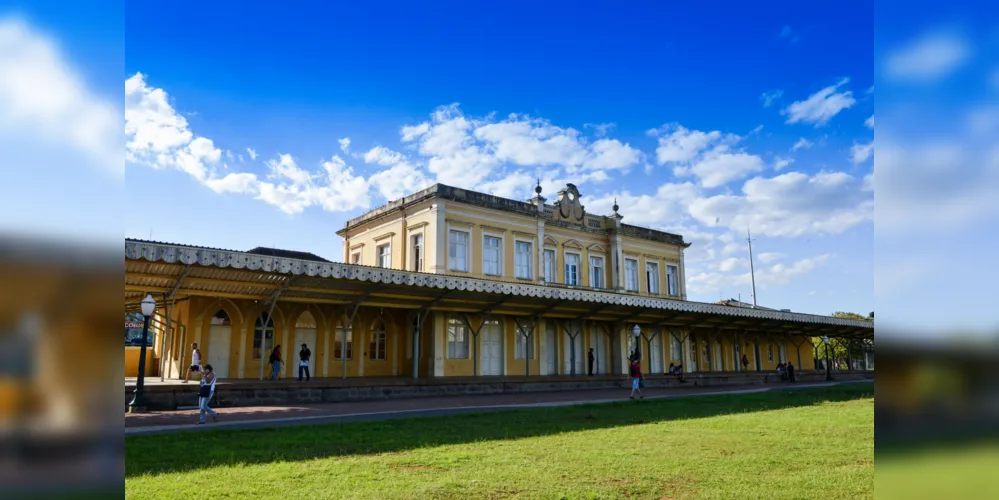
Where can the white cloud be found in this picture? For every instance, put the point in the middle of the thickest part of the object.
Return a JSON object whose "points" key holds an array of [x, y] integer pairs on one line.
{"points": [[382, 156], [158, 136], [718, 169], [802, 144], [791, 204], [666, 207], [600, 129], [42, 97], [869, 123], [344, 144], [707, 155], [252, 153], [401, 179], [447, 142], [860, 153], [780, 163], [770, 257], [710, 282], [732, 263], [239, 183], [769, 98], [929, 58], [821, 106]]}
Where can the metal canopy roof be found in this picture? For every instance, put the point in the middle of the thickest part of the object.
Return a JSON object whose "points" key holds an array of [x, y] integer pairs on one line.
{"points": [[162, 268]]}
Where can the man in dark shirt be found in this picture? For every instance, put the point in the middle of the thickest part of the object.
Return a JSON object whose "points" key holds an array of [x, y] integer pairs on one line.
{"points": [[303, 363], [790, 372], [590, 359]]}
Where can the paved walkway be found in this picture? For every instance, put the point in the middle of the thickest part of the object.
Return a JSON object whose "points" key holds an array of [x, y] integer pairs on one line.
{"points": [[311, 414]]}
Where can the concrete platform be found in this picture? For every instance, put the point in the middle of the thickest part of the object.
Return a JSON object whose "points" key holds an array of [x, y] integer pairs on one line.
{"points": [[171, 395]]}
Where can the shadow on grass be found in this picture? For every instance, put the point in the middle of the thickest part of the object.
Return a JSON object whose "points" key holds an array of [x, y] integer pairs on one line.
{"points": [[166, 453]]}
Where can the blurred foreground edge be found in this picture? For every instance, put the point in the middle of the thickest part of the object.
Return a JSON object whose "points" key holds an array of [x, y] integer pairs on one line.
{"points": [[60, 366], [936, 392]]}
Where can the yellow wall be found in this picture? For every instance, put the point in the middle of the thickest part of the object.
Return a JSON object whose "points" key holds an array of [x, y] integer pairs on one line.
{"points": [[395, 229], [435, 218], [198, 311], [132, 361]]}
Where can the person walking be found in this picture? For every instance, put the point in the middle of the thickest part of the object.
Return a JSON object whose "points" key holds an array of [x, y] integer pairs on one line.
{"points": [[205, 392], [590, 357], [635, 371], [303, 363], [790, 372], [275, 361], [745, 363], [195, 362]]}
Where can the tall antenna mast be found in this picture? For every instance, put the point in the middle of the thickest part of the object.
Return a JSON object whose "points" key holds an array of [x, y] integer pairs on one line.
{"points": [[752, 271]]}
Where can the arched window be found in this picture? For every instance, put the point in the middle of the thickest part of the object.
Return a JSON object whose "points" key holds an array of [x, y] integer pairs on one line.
{"points": [[221, 318], [376, 348], [338, 343], [305, 320], [457, 339], [263, 336]]}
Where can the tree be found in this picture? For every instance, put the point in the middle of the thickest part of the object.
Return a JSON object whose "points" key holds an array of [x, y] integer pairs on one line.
{"points": [[838, 349]]}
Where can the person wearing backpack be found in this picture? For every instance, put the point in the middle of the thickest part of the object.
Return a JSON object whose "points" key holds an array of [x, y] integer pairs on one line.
{"points": [[635, 372], [275, 362]]}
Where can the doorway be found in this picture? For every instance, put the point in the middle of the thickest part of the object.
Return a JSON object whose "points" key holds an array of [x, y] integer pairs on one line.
{"points": [[492, 348], [756, 356], [219, 343]]}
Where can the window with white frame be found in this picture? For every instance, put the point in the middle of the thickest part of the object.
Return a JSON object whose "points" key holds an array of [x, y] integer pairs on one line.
{"points": [[522, 260], [672, 280], [418, 252], [676, 349], [458, 250], [377, 342], [652, 277], [522, 346], [491, 252], [770, 352], [549, 266], [457, 339], [355, 258], [631, 275], [385, 256], [597, 272], [571, 269], [338, 337]]}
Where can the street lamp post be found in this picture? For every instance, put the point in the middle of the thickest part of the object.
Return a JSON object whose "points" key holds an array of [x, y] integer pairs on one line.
{"points": [[138, 403], [637, 332], [825, 340]]}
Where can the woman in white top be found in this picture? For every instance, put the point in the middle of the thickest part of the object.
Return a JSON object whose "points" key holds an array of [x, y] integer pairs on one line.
{"points": [[205, 392]]}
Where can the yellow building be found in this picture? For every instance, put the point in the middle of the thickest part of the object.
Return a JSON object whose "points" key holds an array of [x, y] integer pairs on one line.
{"points": [[465, 284]]}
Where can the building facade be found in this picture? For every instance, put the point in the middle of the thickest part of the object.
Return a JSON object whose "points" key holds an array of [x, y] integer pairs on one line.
{"points": [[450, 282]]}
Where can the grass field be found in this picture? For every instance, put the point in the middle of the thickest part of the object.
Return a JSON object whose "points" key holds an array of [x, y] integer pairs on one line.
{"points": [[812, 443]]}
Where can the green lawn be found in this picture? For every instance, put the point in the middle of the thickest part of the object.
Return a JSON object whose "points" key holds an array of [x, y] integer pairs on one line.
{"points": [[812, 443]]}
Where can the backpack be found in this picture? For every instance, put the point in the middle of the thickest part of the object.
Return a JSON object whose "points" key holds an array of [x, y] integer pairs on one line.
{"points": [[632, 370]]}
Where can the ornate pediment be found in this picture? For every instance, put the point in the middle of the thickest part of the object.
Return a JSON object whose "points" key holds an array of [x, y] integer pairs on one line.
{"points": [[569, 206]]}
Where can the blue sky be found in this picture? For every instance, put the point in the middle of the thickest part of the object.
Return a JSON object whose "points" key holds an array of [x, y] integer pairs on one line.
{"points": [[690, 117], [672, 109]]}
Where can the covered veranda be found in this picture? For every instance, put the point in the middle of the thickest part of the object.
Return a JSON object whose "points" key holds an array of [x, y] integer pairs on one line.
{"points": [[362, 323]]}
